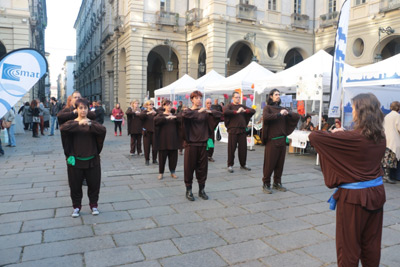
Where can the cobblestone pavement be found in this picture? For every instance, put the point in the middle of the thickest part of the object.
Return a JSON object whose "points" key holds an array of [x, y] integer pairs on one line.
{"points": [[147, 222]]}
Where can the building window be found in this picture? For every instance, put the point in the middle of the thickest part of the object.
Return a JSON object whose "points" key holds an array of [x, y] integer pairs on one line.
{"points": [[245, 2], [359, 2], [272, 5], [297, 6], [165, 5], [331, 6]]}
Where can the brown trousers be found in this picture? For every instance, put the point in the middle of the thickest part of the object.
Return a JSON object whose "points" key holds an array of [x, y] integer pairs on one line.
{"points": [[237, 140], [147, 142], [172, 156], [358, 235], [93, 179], [195, 160], [274, 159], [136, 143]]}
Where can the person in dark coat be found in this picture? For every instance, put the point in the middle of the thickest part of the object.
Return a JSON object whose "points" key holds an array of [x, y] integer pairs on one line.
{"points": [[84, 140], [237, 117], [35, 112], [147, 116], [210, 150], [197, 130], [135, 126], [99, 111], [166, 141], [277, 124], [351, 162]]}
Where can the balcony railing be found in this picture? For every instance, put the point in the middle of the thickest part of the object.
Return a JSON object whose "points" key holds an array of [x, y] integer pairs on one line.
{"points": [[388, 5], [194, 15], [246, 12], [328, 19], [107, 32], [167, 18], [299, 21]]}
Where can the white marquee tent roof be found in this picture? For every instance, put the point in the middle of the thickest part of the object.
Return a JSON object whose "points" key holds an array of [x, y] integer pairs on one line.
{"points": [[243, 79], [184, 81], [199, 84], [286, 81]]}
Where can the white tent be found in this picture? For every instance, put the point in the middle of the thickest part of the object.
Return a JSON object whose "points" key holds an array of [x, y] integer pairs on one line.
{"points": [[243, 79], [319, 64], [169, 90], [199, 84]]}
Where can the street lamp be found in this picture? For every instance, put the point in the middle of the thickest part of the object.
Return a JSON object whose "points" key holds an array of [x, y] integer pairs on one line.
{"points": [[247, 37], [388, 30], [170, 65]]}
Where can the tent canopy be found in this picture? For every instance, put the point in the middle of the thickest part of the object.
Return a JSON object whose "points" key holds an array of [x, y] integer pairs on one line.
{"points": [[386, 72], [184, 81], [211, 77], [243, 79], [319, 64]]}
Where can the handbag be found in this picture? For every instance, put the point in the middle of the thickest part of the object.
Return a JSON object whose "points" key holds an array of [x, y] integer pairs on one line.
{"points": [[6, 124], [112, 118], [35, 119]]}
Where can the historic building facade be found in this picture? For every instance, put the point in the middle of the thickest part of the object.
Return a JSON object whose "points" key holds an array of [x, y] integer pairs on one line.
{"points": [[128, 48], [22, 25]]}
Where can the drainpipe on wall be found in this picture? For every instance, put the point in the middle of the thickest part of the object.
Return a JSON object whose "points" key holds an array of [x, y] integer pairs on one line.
{"points": [[313, 29], [186, 39]]}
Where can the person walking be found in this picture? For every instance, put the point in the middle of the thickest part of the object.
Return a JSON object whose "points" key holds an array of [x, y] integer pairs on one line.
{"points": [[237, 117], [135, 126], [147, 116], [10, 117], [84, 143], [35, 111], [166, 141], [197, 130], [55, 107], [118, 115], [277, 124], [351, 162], [391, 125]]}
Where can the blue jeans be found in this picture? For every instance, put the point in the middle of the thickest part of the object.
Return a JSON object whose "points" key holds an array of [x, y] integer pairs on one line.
{"points": [[11, 135], [53, 124]]}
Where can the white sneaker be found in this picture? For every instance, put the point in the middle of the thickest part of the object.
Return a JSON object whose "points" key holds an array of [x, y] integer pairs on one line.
{"points": [[95, 211], [75, 213]]}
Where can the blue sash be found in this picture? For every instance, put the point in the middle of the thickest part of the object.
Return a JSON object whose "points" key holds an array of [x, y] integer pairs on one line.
{"points": [[359, 185]]}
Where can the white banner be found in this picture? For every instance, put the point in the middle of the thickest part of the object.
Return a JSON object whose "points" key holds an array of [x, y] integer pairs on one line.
{"points": [[309, 87], [338, 61], [20, 70]]}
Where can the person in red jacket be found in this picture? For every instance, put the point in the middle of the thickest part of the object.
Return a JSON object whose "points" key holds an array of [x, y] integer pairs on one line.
{"points": [[118, 115]]}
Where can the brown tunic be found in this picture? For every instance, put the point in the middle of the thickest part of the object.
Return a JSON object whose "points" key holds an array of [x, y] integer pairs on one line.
{"points": [[276, 125], [135, 123], [166, 132], [148, 137], [237, 122], [197, 130], [349, 157]]}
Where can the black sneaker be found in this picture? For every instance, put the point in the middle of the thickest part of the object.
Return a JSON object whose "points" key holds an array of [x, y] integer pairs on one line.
{"points": [[267, 189], [245, 168], [189, 195], [155, 162], [203, 194], [147, 163], [279, 187]]}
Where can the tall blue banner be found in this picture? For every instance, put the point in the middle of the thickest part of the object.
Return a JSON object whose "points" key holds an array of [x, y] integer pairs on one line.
{"points": [[20, 70], [338, 61]]}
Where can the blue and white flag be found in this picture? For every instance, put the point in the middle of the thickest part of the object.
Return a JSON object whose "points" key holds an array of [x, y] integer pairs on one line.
{"points": [[20, 70], [338, 61]]}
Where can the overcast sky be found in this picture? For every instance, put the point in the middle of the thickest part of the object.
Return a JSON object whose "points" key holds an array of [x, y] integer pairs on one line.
{"points": [[60, 37]]}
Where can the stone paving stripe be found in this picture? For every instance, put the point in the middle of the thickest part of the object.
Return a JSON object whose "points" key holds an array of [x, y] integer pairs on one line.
{"points": [[75, 260], [9, 255], [113, 256], [194, 259], [293, 258], [26, 216], [245, 251], [198, 242], [44, 224], [106, 217], [324, 251], [145, 236], [67, 233], [288, 225], [175, 219], [124, 226], [144, 264], [150, 212], [68, 247], [245, 234], [10, 228], [160, 249], [202, 227], [10, 207], [19, 240]]}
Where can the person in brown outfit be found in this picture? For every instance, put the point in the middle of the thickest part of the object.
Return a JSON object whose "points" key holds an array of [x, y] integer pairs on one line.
{"points": [[84, 140], [210, 150], [277, 124], [197, 122], [351, 161], [237, 117], [135, 126], [166, 141], [147, 116]]}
